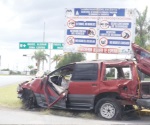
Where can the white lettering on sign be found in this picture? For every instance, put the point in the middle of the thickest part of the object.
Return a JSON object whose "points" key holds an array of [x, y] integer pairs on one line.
{"points": [[119, 25], [78, 32]]}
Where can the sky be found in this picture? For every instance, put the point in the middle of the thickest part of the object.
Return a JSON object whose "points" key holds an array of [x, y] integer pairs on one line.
{"points": [[23, 21]]}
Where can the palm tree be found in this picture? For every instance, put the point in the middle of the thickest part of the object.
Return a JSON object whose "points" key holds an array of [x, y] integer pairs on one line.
{"points": [[30, 67], [57, 58], [39, 56], [142, 28]]}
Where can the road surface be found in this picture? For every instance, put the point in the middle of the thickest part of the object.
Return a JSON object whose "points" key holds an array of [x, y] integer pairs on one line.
{"points": [[20, 116], [12, 79]]}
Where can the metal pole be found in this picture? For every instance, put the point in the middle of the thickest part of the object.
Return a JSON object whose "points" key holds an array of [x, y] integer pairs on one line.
{"points": [[44, 33], [50, 57], [96, 52], [43, 49], [96, 56]]}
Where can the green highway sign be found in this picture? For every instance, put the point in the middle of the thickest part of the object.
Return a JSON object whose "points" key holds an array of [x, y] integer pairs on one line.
{"points": [[58, 46], [33, 45]]}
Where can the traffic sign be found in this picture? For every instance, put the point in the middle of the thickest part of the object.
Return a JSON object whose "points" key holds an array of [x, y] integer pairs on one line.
{"points": [[57, 45], [33, 45]]}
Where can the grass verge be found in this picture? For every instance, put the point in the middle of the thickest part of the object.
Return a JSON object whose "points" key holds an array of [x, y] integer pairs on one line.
{"points": [[8, 97]]}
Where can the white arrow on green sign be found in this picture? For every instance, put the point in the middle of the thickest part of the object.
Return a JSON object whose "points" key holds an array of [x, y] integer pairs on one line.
{"points": [[58, 46], [33, 45]]}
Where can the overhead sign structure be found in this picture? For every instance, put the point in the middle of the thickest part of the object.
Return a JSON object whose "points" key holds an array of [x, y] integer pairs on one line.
{"points": [[33, 45], [99, 30], [58, 46]]}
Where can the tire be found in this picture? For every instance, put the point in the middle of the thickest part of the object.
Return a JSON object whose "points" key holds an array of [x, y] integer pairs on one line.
{"points": [[28, 99], [109, 108], [128, 108]]}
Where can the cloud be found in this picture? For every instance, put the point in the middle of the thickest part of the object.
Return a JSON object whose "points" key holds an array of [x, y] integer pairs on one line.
{"points": [[23, 20]]}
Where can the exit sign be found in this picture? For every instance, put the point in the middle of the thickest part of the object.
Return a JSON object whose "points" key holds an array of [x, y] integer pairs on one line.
{"points": [[58, 46], [33, 45]]}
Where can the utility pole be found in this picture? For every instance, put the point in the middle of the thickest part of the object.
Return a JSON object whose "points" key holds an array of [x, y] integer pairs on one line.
{"points": [[44, 33], [50, 56], [96, 55], [43, 41]]}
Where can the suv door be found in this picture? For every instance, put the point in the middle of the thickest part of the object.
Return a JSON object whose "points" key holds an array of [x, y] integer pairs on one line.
{"points": [[143, 58], [119, 77], [83, 85], [55, 89]]}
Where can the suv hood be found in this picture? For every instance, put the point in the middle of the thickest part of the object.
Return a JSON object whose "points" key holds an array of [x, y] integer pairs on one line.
{"points": [[143, 58]]}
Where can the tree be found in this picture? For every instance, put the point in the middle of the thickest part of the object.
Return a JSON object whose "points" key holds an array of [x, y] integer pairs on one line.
{"points": [[142, 31], [70, 58], [57, 58], [39, 56], [30, 67], [142, 28], [111, 73]]}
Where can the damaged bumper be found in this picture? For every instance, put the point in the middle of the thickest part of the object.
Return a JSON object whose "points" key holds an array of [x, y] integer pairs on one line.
{"points": [[19, 91], [19, 95], [143, 103]]}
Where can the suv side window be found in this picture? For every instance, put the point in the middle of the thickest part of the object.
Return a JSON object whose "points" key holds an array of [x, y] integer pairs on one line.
{"points": [[85, 72], [118, 72]]}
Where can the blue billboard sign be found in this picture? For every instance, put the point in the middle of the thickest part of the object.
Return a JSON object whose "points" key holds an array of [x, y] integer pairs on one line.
{"points": [[113, 42], [110, 33], [120, 24], [81, 32], [85, 24], [85, 41], [99, 12]]}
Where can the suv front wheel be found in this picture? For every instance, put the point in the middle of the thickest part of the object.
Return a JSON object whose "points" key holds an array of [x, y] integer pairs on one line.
{"points": [[109, 108]]}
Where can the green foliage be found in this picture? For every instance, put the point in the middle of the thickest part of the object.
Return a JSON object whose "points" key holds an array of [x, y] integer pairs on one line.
{"points": [[5, 70], [15, 72], [111, 73], [30, 67], [33, 71], [142, 28], [39, 56], [57, 58], [70, 58], [148, 47]]}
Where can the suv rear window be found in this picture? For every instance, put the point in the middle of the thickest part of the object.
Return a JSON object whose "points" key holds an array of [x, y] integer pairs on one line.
{"points": [[85, 72]]}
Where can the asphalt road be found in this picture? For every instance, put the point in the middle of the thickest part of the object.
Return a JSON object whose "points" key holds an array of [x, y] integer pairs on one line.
{"points": [[16, 116], [12, 79]]}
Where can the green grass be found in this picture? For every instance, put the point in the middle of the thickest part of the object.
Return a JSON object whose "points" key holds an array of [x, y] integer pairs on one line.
{"points": [[8, 96], [8, 99]]}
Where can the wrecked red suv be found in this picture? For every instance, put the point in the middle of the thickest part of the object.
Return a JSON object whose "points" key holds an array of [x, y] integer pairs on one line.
{"points": [[107, 87]]}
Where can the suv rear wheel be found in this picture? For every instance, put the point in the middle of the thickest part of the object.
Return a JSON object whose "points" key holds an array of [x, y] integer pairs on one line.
{"points": [[109, 109]]}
